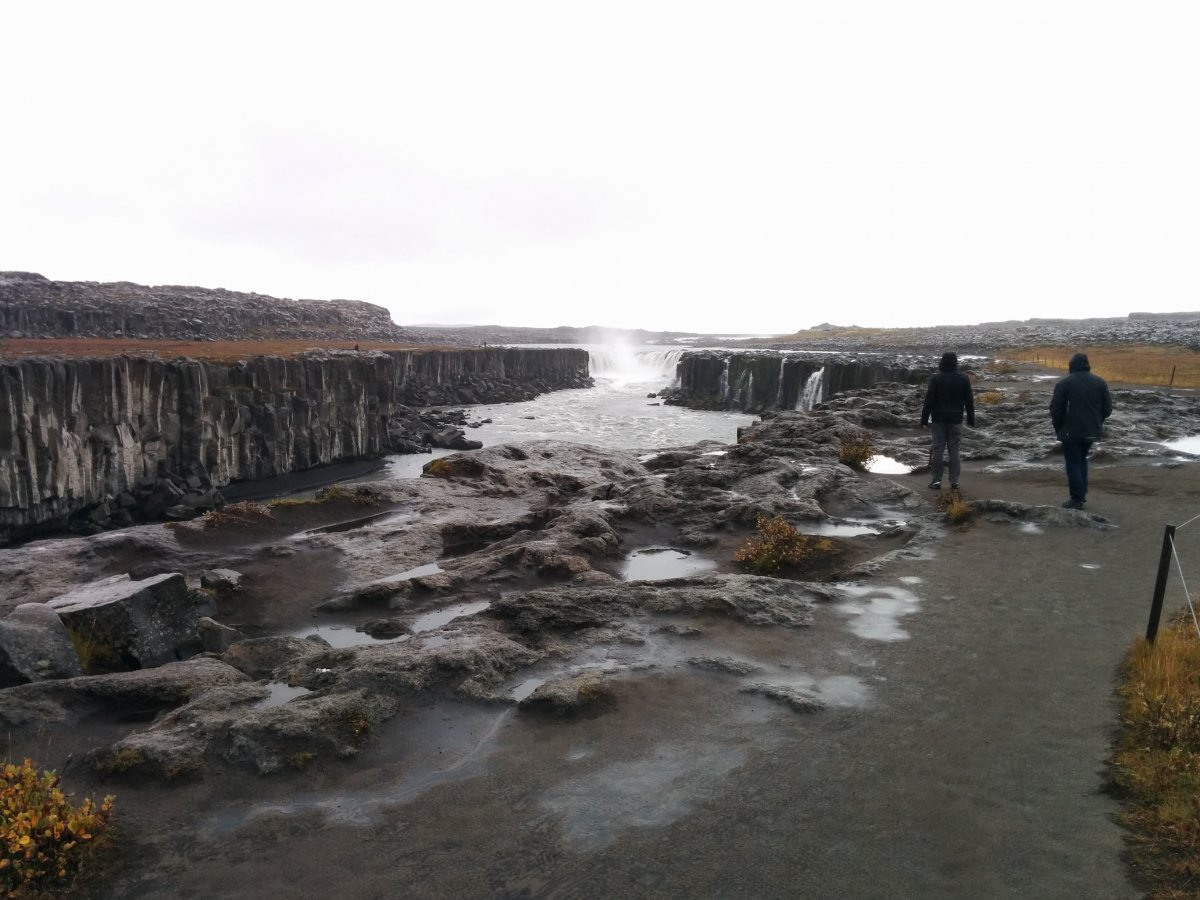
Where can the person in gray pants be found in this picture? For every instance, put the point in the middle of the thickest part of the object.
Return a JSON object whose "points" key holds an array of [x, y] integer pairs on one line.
{"points": [[948, 396]]}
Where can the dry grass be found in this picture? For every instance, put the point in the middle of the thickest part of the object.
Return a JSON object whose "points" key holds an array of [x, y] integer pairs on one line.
{"points": [[1123, 364], [1156, 765], [211, 351], [854, 450], [246, 512], [989, 398], [779, 546], [954, 506], [362, 495]]}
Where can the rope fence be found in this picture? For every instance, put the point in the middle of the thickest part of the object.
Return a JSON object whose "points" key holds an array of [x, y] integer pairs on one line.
{"points": [[1169, 554]]}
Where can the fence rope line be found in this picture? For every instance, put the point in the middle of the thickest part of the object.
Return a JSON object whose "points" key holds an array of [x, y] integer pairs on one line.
{"points": [[1186, 593], [1186, 524]]}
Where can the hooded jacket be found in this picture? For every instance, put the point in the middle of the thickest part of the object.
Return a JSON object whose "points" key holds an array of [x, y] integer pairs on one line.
{"points": [[1080, 404], [948, 395]]}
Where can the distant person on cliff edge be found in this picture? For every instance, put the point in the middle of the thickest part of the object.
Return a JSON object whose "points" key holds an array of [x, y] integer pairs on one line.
{"points": [[1080, 404], [948, 396]]}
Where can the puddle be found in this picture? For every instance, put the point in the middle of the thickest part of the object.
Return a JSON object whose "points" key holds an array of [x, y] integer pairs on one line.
{"points": [[418, 572], [430, 621], [911, 579], [1030, 528], [1088, 566], [842, 691], [460, 748], [875, 612], [341, 635], [838, 529], [885, 465], [652, 792], [382, 518], [715, 453], [1185, 445], [526, 687], [659, 563], [280, 694]]}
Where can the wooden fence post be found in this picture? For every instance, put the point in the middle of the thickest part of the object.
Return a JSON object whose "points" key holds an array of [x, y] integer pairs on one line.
{"points": [[1160, 583]]}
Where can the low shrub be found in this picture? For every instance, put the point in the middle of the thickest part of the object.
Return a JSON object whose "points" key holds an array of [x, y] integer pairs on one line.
{"points": [[335, 493], [45, 841], [1156, 765], [457, 466], [96, 655], [989, 398], [779, 546], [361, 494], [246, 512], [954, 506], [854, 450]]}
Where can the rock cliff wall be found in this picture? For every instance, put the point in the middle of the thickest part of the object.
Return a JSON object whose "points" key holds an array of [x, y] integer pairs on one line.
{"points": [[77, 434], [752, 382], [34, 306]]}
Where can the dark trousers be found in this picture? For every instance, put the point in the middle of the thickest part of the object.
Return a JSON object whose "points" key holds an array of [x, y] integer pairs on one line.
{"points": [[1075, 455], [946, 438]]}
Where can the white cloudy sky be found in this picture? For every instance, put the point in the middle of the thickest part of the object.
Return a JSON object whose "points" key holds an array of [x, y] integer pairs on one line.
{"points": [[748, 166]]}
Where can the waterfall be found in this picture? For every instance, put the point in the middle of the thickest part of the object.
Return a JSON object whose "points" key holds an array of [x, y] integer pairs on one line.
{"points": [[810, 395], [628, 363], [724, 383], [779, 393]]}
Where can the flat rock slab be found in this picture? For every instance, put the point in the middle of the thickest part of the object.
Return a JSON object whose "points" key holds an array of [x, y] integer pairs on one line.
{"points": [[118, 624]]}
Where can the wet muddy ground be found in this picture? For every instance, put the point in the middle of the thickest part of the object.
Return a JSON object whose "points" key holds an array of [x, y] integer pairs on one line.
{"points": [[960, 752]]}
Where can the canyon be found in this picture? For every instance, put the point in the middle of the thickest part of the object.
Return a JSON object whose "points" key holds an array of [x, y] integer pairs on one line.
{"points": [[77, 434]]}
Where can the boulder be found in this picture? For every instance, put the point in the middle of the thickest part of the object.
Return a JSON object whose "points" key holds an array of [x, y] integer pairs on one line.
{"points": [[118, 624], [215, 637], [570, 696], [220, 579], [35, 646]]}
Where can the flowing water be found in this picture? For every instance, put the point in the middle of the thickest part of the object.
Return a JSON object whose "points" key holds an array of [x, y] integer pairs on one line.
{"points": [[615, 414]]}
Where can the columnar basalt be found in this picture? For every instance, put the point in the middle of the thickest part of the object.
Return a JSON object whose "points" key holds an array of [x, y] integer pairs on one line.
{"points": [[78, 433], [752, 382]]}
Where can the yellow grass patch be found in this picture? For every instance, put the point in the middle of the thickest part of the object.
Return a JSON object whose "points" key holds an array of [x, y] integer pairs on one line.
{"points": [[1156, 764], [1151, 365]]}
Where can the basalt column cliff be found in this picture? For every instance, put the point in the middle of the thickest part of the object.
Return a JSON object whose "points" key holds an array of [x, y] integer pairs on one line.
{"points": [[79, 434]]}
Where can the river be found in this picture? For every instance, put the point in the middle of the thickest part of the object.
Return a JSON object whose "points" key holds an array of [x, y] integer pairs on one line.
{"points": [[616, 413]]}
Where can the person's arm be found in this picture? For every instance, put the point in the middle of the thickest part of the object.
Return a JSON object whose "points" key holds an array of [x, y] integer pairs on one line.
{"points": [[930, 393], [1058, 406], [1106, 403], [970, 404]]}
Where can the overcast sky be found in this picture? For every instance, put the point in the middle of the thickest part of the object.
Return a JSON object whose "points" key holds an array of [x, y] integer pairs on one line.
{"points": [[720, 167]]}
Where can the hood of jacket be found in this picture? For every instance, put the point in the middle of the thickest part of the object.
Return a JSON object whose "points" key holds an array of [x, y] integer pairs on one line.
{"points": [[949, 362], [1079, 363]]}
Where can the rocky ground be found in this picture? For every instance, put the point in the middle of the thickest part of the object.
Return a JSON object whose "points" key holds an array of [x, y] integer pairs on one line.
{"points": [[1143, 329], [465, 685]]}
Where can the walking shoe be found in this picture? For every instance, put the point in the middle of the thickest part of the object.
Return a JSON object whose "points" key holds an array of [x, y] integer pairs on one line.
{"points": [[954, 485], [1072, 504], [935, 485]]}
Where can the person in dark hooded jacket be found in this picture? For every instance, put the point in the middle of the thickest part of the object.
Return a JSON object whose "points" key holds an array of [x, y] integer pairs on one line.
{"points": [[1080, 404], [949, 394]]}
